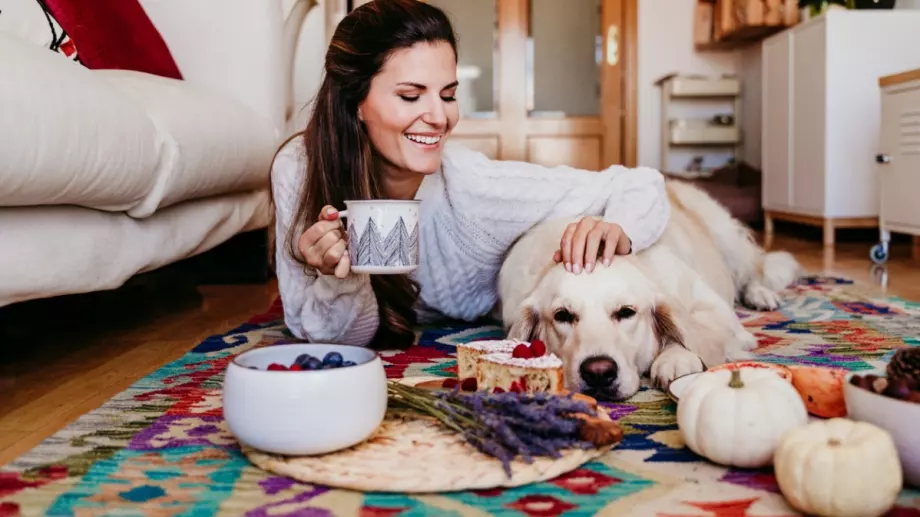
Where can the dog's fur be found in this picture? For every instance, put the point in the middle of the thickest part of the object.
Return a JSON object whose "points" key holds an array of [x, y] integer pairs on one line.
{"points": [[682, 289]]}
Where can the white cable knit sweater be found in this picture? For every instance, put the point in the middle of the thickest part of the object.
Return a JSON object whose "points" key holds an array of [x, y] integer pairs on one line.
{"points": [[472, 210]]}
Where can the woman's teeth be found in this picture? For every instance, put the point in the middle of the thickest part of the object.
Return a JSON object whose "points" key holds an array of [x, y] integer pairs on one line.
{"points": [[428, 140]]}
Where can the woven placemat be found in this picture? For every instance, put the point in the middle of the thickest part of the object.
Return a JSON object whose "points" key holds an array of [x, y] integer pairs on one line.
{"points": [[416, 455]]}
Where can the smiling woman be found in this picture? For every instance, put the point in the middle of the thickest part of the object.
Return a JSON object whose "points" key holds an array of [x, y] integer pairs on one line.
{"points": [[379, 130]]}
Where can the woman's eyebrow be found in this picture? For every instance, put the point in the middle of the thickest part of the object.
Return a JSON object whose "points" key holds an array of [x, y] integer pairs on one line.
{"points": [[423, 87]]}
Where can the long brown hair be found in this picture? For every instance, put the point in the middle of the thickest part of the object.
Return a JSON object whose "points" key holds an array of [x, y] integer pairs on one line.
{"points": [[341, 164]]}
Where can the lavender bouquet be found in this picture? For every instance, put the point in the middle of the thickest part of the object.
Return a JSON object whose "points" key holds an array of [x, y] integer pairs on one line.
{"points": [[508, 425]]}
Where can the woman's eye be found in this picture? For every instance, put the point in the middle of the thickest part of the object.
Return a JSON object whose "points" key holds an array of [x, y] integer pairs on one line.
{"points": [[624, 312], [563, 316], [409, 98], [449, 99]]}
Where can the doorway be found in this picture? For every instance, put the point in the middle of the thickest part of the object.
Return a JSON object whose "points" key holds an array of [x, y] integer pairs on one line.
{"points": [[547, 81], [544, 81]]}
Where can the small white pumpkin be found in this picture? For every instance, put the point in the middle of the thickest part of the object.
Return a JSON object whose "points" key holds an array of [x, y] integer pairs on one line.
{"points": [[839, 468], [736, 418]]}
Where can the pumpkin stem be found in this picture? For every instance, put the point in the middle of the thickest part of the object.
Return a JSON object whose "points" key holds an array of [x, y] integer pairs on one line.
{"points": [[834, 442], [736, 380]]}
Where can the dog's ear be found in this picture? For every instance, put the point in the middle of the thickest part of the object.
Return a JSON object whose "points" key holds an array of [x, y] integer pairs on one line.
{"points": [[527, 326], [666, 330]]}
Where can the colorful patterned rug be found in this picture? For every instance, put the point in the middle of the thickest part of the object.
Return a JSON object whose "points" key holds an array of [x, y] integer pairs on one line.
{"points": [[161, 447]]}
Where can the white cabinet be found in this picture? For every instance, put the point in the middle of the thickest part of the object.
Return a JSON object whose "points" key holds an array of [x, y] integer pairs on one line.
{"points": [[899, 159], [821, 111]]}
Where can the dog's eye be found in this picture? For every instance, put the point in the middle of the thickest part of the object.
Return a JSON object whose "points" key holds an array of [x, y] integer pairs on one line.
{"points": [[624, 312], [564, 316]]}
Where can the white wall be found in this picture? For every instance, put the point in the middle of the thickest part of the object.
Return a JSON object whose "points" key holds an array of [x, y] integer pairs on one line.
{"points": [[665, 42]]}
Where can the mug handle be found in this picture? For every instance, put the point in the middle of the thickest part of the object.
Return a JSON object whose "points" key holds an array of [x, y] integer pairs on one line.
{"points": [[343, 214]]}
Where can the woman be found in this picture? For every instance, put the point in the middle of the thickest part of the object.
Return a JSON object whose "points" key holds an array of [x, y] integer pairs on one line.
{"points": [[378, 129]]}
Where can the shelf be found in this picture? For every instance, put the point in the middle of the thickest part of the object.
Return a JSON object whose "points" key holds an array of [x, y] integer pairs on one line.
{"points": [[701, 132], [703, 87], [726, 25]]}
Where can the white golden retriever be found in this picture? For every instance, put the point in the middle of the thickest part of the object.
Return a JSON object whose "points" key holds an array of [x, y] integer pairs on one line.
{"points": [[666, 311]]}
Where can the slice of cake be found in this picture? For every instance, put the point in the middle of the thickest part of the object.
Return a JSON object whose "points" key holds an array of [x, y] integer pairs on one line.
{"points": [[526, 369], [468, 353]]}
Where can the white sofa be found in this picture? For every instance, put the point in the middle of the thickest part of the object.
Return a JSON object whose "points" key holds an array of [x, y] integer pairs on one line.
{"points": [[105, 174]]}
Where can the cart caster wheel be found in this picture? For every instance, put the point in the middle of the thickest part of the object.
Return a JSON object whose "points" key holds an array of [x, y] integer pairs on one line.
{"points": [[879, 254]]}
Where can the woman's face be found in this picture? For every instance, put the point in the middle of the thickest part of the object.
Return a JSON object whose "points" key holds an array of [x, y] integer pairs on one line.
{"points": [[410, 107]]}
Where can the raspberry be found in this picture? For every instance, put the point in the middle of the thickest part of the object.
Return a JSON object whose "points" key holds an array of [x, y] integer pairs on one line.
{"points": [[296, 367], [515, 387], [498, 389], [522, 351], [276, 367], [538, 348], [468, 384], [450, 383]]}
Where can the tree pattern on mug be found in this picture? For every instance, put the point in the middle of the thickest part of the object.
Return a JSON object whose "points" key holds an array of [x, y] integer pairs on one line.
{"points": [[398, 248]]}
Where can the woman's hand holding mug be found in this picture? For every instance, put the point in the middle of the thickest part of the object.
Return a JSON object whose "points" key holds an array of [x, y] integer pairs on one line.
{"points": [[325, 246]]}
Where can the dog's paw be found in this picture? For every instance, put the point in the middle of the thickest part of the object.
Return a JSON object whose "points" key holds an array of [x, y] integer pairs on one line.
{"points": [[760, 297], [673, 363], [746, 340]]}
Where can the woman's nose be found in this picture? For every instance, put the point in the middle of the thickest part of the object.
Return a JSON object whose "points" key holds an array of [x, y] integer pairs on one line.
{"points": [[436, 115]]}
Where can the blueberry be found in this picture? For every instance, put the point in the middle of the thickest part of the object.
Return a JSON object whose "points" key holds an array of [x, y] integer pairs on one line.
{"points": [[302, 359], [348, 363], [313, 364], [333, 359]]}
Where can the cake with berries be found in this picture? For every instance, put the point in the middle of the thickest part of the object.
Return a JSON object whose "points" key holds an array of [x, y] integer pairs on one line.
{"points": [[469, 353], [528, 368]]}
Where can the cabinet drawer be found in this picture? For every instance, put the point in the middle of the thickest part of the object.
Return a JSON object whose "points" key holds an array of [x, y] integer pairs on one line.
{"points": [[701, 132]]}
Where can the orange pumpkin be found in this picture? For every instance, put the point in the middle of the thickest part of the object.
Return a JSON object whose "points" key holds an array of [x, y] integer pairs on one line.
{"points": [[821, 390]]}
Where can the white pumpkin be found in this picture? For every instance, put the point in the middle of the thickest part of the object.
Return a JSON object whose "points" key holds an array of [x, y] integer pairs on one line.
{"points": [[839, 468], [737, 417]]}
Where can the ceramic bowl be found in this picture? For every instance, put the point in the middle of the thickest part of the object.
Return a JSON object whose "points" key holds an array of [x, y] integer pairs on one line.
{"points": [[899, 417], [304, 412]]}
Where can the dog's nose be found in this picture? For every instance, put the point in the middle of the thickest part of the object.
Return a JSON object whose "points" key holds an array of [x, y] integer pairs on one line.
{"points": [[598, 372]]}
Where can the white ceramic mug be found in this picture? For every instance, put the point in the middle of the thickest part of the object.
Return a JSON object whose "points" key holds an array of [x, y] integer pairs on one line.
{"points": [[383, 235]]}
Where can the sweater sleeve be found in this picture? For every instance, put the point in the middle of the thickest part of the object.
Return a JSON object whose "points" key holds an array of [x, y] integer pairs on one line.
{"points": [[507, 198], [317, 307]]}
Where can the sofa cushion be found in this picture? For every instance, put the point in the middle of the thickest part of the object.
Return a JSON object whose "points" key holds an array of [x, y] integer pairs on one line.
{"points": [[115, 34], [30, 21], [61, 250], [208, 144], [68, 136], [229, 46]]}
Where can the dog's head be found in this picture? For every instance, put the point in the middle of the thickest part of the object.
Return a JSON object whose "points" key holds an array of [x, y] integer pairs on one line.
{"points": [[607, 326]]}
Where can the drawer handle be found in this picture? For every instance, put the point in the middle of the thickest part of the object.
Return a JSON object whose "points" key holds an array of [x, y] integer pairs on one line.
{"points": [[882, 158]]}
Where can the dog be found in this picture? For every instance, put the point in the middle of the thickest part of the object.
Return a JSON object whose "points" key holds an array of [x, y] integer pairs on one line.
{"points": [[666, 311]]}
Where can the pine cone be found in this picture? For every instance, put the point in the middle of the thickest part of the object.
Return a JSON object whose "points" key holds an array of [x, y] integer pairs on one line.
{"points": [[905, 363]]}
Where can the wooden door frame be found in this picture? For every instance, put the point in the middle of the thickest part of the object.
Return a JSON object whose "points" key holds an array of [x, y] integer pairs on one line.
{"points": [[511, 94]]}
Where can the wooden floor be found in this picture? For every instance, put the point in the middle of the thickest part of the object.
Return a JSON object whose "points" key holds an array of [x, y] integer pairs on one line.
{"points": [[60, 359]]}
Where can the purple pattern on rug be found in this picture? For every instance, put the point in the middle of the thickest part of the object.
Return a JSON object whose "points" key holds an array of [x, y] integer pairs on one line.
{"points": [[206, 433], [760, 479], [274, 485]]}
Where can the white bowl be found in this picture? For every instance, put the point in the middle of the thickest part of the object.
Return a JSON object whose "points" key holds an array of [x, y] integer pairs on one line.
{"points": [[304, 412], [899, 417]]}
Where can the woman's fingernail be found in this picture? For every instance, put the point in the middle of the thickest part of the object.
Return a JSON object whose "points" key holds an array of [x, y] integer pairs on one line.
{"points": [[577, 269], [568, 267], [607, 262], [589, 267]]}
